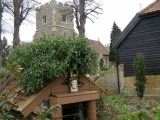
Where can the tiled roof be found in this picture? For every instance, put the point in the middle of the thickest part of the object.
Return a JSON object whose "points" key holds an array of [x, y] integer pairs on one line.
{"points": [[10, 88], [19, 100], [15, 96], [154, 6], [98, 47]]}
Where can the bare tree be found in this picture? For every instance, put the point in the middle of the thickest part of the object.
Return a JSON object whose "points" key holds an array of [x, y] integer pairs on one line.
{"points": [[82, 10], [19, 9], [1, 11]]}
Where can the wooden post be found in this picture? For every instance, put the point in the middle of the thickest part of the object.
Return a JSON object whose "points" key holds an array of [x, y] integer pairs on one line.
{"points": [[91, 110], [57, 113]]}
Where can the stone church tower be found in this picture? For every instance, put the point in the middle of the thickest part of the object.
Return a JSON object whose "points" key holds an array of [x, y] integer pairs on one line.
{"points": [[51, 20]]}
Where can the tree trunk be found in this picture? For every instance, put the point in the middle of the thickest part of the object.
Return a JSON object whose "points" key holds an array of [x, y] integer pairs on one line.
{"points": [[1, 11], [82, 18], [17, 22], [16, 39]]}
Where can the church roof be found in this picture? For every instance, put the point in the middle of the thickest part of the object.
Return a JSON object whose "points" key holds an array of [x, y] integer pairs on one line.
{"points": [[98, 47]]}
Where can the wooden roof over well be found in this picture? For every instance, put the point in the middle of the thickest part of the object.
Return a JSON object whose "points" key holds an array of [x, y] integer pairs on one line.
{"points": [[27, 103]]}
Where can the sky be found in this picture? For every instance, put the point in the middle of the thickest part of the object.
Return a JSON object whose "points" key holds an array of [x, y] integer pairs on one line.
{"points": [[120, 11]]}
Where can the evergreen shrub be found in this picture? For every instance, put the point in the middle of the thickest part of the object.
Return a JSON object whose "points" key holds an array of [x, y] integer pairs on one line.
{"points": [[48, 58], [140, 72]]}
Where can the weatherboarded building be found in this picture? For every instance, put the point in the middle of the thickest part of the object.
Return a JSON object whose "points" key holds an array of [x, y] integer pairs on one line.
{"points": [[142, 35]]}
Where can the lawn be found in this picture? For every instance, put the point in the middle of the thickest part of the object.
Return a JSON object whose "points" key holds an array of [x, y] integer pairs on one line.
{"points": [[125, 107]]}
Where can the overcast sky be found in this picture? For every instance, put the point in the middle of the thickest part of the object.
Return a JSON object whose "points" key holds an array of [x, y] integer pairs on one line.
{"points": [[120, 11]]}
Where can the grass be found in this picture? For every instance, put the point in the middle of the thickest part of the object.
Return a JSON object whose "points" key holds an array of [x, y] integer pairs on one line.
{"points": [[125, 107]]}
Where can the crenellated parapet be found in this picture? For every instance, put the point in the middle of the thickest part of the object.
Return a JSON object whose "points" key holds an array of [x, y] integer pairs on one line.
{"points": [[51, 19], [55, 3]]}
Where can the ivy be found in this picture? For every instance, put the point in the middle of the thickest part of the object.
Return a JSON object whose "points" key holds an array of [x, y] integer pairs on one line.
{"points": [[48, 58], [101, 107]]}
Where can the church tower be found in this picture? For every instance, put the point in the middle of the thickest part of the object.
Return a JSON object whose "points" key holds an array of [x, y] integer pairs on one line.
{"points": [[51, 20]]}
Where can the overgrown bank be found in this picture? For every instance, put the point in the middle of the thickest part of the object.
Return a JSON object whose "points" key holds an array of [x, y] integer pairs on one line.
{"points": [[125, 107]]}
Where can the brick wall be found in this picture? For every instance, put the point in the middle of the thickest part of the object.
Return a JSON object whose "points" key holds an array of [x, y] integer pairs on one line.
{"points": [[107, 80], [127, 84]]}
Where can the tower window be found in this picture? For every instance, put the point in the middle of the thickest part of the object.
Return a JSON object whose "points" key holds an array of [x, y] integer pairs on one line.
{"points": [[44, 19], [64, 18], [65, 35]]}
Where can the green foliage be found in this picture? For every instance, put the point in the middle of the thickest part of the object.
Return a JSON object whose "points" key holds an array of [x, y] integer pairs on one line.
{"points": [[101, 108], [144, 115], [112, 55], [129, 116], [46, 113], [6, 112], [48, 58], [6, 77], [5, 109], [114, 34], [157, 113], [115, 106], [5, 51], [104, 68], [6, 116], [140, 115], [123, 107], [119, 106], [140, 79]]}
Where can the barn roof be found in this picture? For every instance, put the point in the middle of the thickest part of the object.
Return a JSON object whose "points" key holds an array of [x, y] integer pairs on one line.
{"points": [[126, 31], [150, 9], [153, 7]]}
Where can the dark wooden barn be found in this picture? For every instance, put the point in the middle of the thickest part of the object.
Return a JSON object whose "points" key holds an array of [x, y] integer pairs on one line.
{"points": [[142, 35]]}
